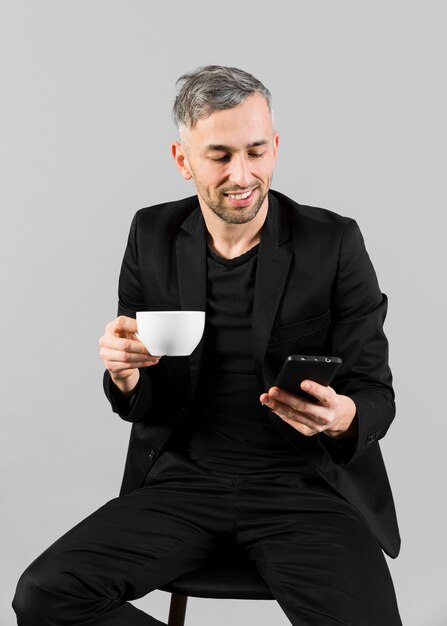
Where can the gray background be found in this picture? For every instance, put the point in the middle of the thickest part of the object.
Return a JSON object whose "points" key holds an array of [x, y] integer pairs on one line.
{"points": [[87, 87]]}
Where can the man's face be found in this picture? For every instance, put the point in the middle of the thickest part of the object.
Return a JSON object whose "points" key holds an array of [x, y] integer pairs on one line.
{"points": [[230, 156]]}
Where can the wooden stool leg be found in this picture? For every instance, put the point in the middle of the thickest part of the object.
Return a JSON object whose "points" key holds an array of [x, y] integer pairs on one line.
{"points": [[177, 610]]}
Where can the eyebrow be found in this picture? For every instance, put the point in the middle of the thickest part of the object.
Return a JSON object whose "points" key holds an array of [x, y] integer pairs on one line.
{"points": [[223, 148]]}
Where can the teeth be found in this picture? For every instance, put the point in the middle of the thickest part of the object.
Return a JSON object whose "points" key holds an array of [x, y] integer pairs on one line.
{"points": [[240, 196]]}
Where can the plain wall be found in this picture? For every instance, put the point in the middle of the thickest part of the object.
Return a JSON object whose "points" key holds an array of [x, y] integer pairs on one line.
{"points": [[359, 94]]}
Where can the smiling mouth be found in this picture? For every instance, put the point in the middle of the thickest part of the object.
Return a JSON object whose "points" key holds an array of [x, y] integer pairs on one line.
{"points": [[241, 199], [240, 196]]}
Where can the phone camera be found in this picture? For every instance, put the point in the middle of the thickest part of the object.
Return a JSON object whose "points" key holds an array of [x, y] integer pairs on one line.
{"points": [[328, 360]]}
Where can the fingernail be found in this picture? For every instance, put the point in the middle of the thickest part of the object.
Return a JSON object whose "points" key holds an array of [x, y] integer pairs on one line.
{"points": [[305, 385], [274, 393]]}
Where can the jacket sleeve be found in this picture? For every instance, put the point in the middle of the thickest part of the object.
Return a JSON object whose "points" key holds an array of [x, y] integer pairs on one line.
{"points": [[358, 310], [131, 300]]}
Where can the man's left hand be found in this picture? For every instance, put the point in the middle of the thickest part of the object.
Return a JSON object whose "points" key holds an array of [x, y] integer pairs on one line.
{"points": [[333, 414]]}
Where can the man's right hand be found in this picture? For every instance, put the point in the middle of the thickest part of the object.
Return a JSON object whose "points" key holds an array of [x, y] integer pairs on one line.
{"points": [[123, 353]]}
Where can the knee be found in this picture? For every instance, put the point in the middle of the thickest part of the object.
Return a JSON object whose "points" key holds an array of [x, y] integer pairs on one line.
{"points": [[25, 598], [34, 598], [53, 591]]}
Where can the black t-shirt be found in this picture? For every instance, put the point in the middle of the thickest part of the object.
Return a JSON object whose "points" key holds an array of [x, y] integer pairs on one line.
{"points": [[228, 431]]}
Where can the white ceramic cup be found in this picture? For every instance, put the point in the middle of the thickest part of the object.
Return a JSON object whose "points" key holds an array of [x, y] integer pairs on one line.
{"points": [[170, 333]]}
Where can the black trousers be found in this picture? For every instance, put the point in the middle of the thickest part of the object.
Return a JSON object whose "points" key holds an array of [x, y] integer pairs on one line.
{"points": [[312, 547]]}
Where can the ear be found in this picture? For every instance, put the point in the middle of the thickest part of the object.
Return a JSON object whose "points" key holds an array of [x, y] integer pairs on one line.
{"points": [[181, 160], [275, 145]]}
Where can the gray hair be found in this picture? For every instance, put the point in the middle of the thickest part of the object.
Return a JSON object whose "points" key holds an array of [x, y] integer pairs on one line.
{"points": [[213, 88]]}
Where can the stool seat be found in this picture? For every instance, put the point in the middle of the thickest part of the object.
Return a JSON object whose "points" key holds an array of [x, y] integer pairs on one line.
{"points": [[228, 576], [238, 580]]}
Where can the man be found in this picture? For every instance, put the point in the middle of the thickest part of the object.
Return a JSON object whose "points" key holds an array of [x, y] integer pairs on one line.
{"points": [[218, 456]]}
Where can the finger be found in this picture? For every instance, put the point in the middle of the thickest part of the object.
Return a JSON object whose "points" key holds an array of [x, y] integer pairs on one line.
{"points": [[121, 324], [114, 358], [126, 345], [313, 418], [324, 395], [120, 368], [299, 422], [297, 402], [307, 431], [126, 357]]}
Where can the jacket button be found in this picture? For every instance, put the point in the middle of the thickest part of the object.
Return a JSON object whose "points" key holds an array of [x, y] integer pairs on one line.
{"points": [[151, 455]]}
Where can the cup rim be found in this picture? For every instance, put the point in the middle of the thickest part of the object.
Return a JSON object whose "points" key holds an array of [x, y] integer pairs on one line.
{"points": [[168, 312]]}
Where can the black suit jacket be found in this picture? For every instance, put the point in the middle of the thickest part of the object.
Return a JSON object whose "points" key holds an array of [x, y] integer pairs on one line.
{"points": [[316, 293]]}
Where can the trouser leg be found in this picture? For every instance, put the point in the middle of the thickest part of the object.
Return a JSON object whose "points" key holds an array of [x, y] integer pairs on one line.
{"points": [[130, 546], [315, 551]]}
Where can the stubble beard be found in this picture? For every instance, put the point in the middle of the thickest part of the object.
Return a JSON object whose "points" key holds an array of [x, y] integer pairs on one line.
{"points": [[235, 215]]}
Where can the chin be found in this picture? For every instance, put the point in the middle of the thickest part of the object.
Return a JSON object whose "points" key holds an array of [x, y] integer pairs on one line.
{"points": [[242, 217]]}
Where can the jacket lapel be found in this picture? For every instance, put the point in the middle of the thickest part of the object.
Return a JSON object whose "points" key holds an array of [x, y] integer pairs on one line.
{"points": [[274, 261], [191, 267]]}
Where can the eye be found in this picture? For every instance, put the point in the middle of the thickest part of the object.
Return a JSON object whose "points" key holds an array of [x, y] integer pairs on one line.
{"points": [[256, 155], [221, 159]]}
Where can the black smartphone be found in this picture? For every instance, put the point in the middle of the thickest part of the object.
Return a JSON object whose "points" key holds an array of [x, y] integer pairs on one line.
{"points": [[299, 367]]}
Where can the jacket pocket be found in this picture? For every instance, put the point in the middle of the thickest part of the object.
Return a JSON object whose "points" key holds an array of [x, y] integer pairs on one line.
{"points": [[300, 329]]}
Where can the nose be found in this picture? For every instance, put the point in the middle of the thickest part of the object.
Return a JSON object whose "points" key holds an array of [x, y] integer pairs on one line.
{"points": [[239, 172]]}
